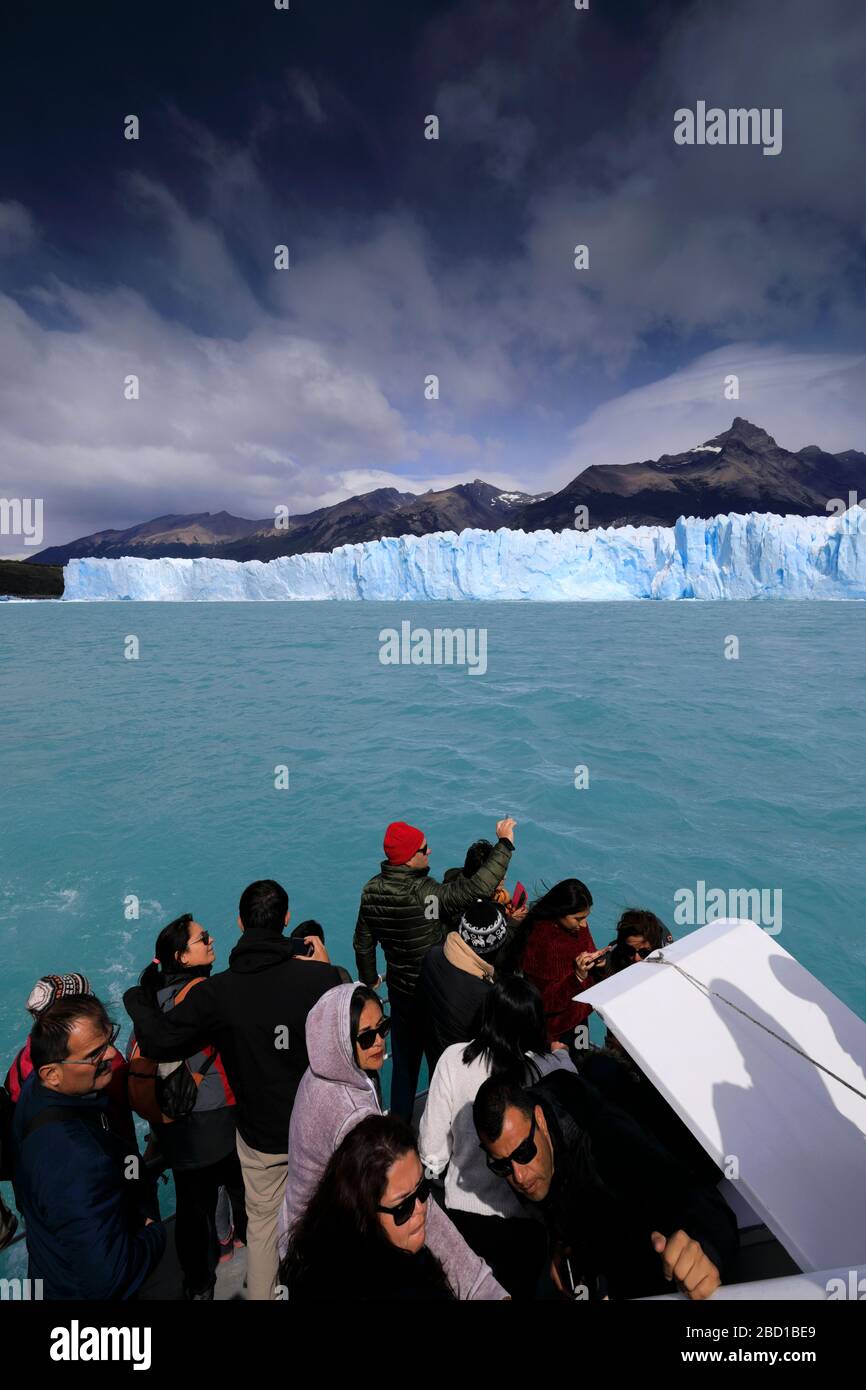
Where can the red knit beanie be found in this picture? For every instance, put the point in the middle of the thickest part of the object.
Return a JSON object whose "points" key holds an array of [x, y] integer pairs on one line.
{"points": [[402, 841]]}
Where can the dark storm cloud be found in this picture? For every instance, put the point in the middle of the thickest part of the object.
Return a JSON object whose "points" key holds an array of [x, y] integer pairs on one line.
{"points": [[412, 257]]}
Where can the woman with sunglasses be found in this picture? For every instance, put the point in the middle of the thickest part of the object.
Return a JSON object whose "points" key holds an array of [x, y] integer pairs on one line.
{"points": [[346, 1045], [199, 1146], [638, 933], [371, 1231]]}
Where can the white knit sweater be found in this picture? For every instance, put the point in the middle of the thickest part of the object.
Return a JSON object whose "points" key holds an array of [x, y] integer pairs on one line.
{"points": [[447, 1136]]}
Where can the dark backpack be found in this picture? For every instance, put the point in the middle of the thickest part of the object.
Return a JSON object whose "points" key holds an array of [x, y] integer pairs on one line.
{"points": [[162, 1099], [7, 1110]]}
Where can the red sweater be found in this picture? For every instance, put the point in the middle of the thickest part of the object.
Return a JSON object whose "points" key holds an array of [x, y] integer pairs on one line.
{"points": [[548, 961]]}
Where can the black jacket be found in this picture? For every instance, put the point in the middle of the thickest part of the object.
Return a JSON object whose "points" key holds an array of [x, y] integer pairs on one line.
{"points": [[449, 1003], [613, 1185], [623, 1084], [255, 1013]]}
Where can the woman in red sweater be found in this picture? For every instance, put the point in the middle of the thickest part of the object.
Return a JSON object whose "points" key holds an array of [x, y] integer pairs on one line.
{"points": [[558, 954]]}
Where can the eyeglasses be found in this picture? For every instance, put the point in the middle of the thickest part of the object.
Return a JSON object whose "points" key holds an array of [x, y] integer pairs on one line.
{"points": [[523, 1154], [403, 1210], [367, 1037], [97, 1059], [425, 849], [205, 937]]}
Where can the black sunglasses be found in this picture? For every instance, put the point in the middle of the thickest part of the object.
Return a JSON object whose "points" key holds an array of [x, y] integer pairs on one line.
{"points": [[523, 1154], [205, 937], [368, 1036], [403, 1210]]}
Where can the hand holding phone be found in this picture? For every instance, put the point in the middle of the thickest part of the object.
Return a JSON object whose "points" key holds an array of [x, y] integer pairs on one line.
{"points": [[518, 897]]}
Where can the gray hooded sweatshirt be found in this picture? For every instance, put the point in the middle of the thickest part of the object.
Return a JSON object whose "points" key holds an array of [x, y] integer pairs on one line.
{"points": [[335, 1095]]}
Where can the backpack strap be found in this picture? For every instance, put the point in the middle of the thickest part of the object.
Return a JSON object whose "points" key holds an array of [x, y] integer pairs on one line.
{"points": [[52, 1114], [185, 989], [206, 1065], [181, 994]]}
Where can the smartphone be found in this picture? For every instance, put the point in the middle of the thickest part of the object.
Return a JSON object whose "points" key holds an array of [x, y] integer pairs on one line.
{"points": [[601, 963], [518, 897], [300, 947]]}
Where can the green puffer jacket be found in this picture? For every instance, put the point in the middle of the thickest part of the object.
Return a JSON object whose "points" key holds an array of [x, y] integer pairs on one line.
{"points": [[404, 910]]}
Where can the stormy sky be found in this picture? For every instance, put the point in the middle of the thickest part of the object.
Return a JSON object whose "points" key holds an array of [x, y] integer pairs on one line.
{"points": [[411, 257]]}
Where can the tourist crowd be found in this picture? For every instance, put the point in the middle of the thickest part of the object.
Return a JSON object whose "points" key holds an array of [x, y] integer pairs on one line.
{"points": [[535, 1165]]}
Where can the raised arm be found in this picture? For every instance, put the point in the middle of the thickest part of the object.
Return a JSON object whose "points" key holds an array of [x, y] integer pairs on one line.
{"points": [[460, 892]]}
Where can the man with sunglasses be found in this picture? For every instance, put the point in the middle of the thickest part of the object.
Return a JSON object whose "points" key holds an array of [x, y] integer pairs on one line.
{"points": [[403, 910], [87, 1215], [624, 1216]]}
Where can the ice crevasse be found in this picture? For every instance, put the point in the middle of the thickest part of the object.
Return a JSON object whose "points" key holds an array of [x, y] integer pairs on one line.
{"points": [[751, 556]]}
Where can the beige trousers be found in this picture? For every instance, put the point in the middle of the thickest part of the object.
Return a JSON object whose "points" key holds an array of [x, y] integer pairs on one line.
{"points": [[264, 1185]]}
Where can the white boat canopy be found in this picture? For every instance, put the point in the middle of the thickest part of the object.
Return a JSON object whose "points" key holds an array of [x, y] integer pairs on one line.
{"points": [[719, 1022]]}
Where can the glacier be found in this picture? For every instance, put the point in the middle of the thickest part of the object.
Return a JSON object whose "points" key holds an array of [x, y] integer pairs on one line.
{"points": [[734, 556]]}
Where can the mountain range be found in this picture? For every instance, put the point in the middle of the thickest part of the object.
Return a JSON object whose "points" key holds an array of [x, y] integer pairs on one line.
{"points": [[741, 470]]}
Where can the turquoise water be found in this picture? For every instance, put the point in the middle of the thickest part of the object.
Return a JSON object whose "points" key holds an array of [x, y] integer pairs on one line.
{"points": [[155, 777]]}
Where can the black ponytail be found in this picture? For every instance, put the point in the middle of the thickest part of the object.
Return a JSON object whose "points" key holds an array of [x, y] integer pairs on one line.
{"points": [[171, 943]]}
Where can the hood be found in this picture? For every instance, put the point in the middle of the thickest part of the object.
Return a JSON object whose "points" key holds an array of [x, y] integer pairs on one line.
{"points": [[260, 950], [450, 875], [461, 955], [328, 1045]]}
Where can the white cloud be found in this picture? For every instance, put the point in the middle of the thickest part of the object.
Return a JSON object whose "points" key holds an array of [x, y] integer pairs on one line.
{"points": [[800, 398], [241, 424]]}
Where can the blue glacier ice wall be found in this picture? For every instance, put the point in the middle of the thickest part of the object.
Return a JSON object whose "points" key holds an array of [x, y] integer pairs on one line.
{"points": [[735, 557]]}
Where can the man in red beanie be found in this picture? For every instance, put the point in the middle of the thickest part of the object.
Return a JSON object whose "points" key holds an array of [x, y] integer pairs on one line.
{"points": [[402, 910]]}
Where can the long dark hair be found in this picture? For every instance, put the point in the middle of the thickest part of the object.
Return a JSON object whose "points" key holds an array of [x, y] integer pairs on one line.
{"points": [[564, 899], [341, 1219], [362, 995], [512, 1024], [170, 944]]}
